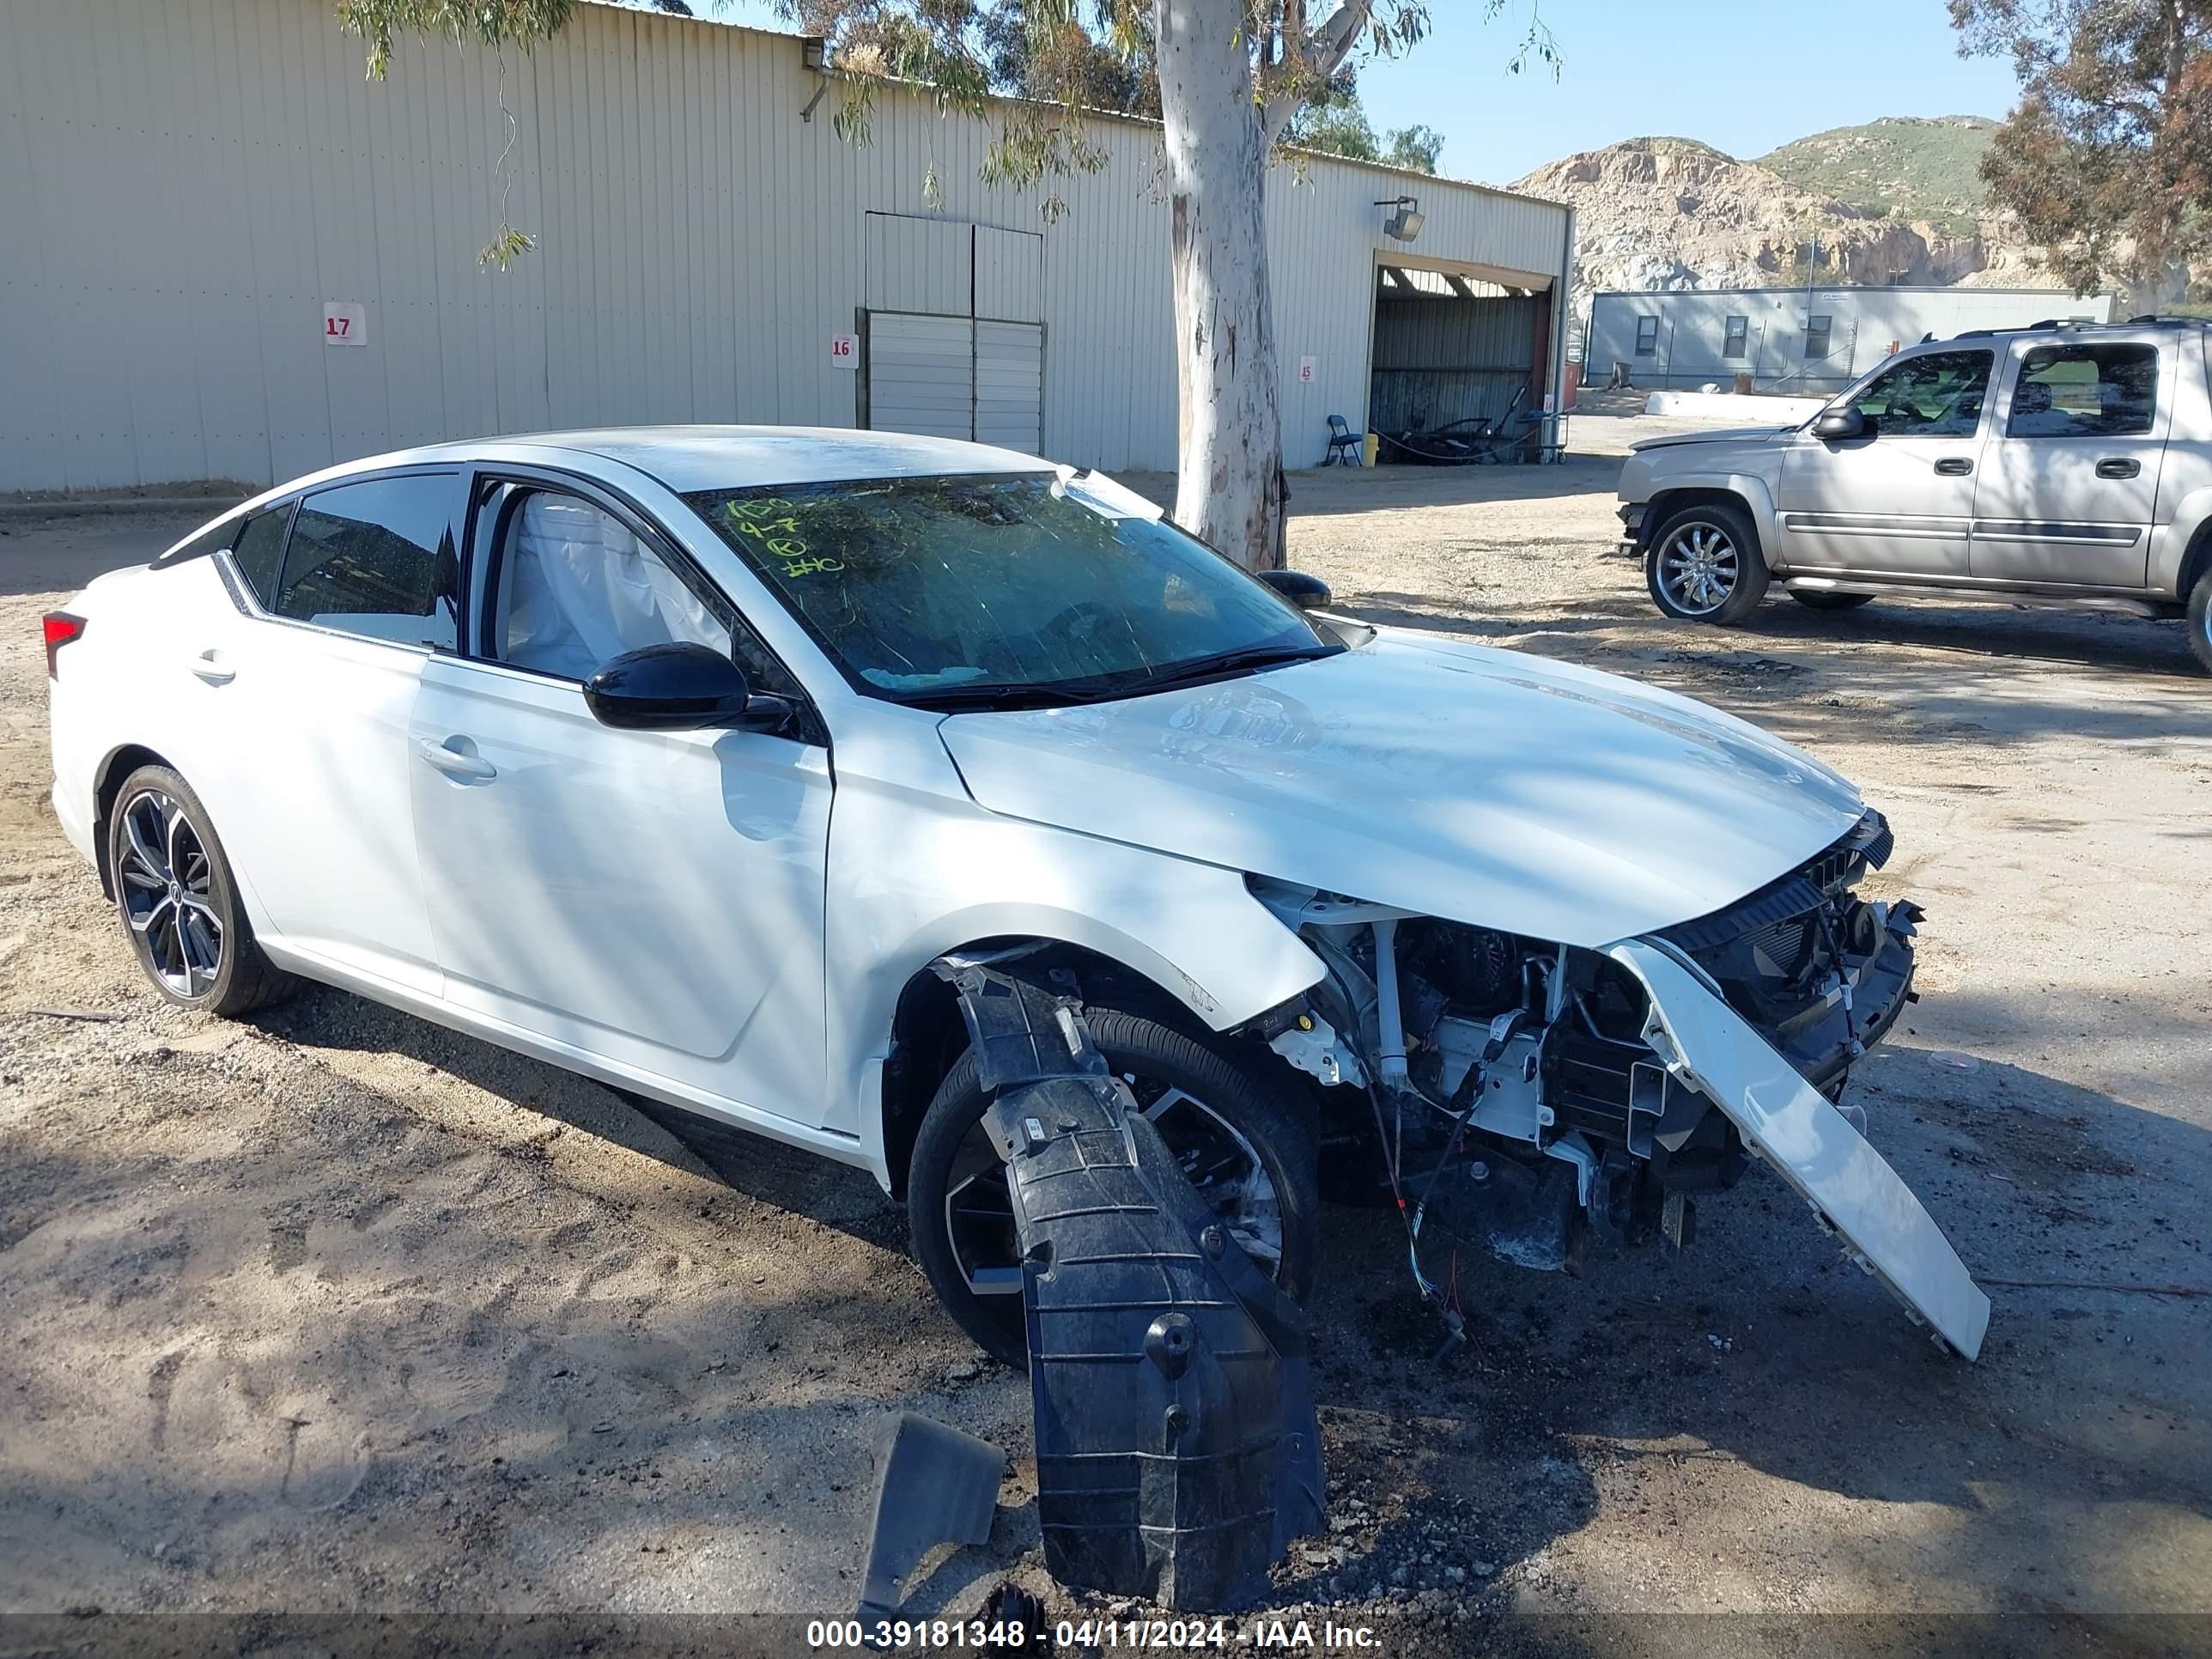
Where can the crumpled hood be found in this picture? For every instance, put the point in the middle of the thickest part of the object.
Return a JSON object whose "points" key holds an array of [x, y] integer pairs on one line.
{"points": [[1718, 434], [1481, 785]]}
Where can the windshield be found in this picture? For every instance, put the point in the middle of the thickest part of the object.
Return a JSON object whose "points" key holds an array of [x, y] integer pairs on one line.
{"points": [[1004, 589]]}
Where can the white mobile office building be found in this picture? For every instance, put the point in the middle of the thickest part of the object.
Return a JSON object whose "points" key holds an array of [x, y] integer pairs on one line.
{"points": [[227, 255], [1796, 339]]}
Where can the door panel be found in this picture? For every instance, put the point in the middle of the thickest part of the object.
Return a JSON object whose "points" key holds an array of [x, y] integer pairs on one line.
{"points": [[1901, 499], [922, 374], [2069, 483], [318, 700], [655, 898], [1009, 385], [322, 829]]}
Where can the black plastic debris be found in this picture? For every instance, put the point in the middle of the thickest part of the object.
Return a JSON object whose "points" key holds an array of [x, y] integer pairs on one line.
{"points": [[934, 1485], [1177, 1450]]}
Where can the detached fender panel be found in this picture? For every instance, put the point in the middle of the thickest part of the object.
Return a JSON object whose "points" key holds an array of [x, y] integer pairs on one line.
{"points": [[1828, 1162]]}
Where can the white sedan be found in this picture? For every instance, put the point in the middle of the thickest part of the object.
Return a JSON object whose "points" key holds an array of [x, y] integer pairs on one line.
{"points": [[676, 756]]}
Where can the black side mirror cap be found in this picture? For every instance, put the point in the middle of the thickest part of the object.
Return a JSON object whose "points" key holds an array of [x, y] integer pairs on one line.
{"points": [[678, 688], [1307, 593], [1833, 424]]}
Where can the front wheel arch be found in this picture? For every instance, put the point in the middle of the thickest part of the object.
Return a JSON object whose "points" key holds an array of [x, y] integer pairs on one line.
{"points": [[928, 1036]]}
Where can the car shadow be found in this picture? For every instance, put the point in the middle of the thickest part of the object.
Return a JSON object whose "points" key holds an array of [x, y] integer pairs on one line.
{"points": [[836, 1194]]}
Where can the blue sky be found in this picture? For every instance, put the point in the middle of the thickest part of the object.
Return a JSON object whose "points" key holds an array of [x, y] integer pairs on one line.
{"points": [[1742, 75]]}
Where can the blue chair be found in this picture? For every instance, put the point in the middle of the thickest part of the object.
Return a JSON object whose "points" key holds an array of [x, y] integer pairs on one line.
{"points": [[1345, 446]]}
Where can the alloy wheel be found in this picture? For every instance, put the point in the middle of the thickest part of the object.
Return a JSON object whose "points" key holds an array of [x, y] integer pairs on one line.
{"points": [[166, 881], [1699, 567], [1216, 1159]]}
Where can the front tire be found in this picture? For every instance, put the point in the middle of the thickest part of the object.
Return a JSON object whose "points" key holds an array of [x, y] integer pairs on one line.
{"points": [[179, 900], [1244, 1139], [1705, 565], [2199, 621]]}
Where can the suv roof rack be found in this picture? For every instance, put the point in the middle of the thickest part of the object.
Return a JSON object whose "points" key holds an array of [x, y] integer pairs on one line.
{"points": [[2050, 322]]}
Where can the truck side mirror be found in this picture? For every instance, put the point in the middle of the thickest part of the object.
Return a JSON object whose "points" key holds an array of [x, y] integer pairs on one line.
{"points": [[1831, 425]]}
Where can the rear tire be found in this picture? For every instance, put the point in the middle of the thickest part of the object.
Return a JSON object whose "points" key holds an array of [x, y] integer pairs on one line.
{"points": [[2199, 621], [179, 900], [1816, 598], [1264, 1113], [1705, 565]]}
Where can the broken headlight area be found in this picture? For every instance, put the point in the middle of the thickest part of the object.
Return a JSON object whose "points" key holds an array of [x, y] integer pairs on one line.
{"points": [[1513, 1098], [1818, 972]]}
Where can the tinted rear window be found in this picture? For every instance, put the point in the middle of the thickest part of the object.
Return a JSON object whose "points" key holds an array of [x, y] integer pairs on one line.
{"points": [[377, 559], [257, 550]]}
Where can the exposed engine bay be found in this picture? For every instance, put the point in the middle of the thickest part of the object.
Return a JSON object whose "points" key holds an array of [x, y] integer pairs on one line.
{"points": [[1529, 1096]]}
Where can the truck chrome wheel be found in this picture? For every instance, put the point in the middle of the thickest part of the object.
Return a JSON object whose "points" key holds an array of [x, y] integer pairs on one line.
{"points": [[165, 882], [1216, 1159], [1700, 567]]}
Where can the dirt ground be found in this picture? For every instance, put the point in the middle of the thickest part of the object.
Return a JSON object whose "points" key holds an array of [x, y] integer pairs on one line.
{"points": [[336, 1311]]}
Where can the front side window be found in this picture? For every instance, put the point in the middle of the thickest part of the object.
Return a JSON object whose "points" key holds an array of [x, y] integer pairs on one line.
{"points": [[1735, 337], [258, 549], [1816, 336], [2085, 391], [1005, 589], [1937, 395], [377, 559], [1647, 336], [576, 588]]}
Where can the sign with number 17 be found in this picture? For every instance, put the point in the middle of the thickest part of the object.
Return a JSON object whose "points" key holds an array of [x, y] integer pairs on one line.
{"points": [[345, 323]]}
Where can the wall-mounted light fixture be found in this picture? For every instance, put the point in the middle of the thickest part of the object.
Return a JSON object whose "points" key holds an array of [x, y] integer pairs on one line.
{"points": [[1406, 223]]}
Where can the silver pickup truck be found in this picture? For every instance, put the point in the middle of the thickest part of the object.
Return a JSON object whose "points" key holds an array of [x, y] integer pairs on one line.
{"points": [[2065, 465]]}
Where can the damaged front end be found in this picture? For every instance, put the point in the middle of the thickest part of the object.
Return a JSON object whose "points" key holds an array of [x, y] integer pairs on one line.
{"points": [[1528, 1096]]}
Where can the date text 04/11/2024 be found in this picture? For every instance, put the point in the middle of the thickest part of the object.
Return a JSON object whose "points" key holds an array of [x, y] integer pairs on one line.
{"points": [[901, 1635]]}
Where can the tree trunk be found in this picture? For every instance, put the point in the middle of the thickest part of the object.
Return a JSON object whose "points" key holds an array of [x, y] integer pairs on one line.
{"points": [[1228, 485]]}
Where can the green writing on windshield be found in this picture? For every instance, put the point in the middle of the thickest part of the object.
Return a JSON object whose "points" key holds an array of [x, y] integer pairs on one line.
{"points": [[771, 523]]}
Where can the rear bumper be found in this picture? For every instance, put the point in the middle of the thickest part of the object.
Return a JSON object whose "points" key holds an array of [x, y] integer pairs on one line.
{"points": [[75, 817]]}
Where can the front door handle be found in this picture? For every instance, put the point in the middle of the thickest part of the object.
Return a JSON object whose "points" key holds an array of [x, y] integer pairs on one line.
{"points": [[2118, 467], [211, 666], [455, 762], [1954, 466]]}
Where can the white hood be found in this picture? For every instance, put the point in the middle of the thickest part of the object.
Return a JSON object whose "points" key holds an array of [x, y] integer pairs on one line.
{"points": [[1477, 785]]}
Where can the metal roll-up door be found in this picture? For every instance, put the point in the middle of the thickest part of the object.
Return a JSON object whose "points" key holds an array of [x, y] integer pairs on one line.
{"points": [[922, 374], [1009, 385]]}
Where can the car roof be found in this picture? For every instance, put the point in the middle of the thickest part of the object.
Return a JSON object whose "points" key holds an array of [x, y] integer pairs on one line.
{"points": [[690, 458]]}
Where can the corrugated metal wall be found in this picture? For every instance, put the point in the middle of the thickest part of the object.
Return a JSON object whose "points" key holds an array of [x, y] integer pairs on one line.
{"points": [[184, 183], [1446, 360]]}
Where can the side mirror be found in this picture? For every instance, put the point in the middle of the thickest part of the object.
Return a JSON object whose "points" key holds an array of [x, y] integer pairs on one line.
{"points": [[677, 688], [1307, 593], [1832, 424]]}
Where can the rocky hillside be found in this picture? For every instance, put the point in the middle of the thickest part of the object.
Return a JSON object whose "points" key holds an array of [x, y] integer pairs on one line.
{"points": [[1892, 201], [1913, 166]]}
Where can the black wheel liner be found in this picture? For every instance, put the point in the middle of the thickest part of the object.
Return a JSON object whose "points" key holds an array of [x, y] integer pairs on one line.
{"points": [[1177, 1449]]}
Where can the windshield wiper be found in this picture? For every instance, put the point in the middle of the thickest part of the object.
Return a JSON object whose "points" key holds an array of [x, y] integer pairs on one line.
{"points": [[956, 699], [1249, 661]]}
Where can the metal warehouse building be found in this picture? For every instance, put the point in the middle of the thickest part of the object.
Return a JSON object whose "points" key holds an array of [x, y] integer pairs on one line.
{"points": [[1789, 339], [229, 256]]}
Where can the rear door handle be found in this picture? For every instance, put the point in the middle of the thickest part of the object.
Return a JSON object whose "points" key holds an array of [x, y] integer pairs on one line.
{"points": [[455, 762], [211, 666], [1954, 466], [2118, 467]]}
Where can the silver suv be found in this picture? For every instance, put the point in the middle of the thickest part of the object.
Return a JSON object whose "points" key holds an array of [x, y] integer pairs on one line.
{"points": [[2067, 464]]}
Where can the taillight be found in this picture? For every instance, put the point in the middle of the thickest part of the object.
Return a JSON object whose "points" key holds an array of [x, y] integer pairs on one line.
{"points": [[61, 628]]}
